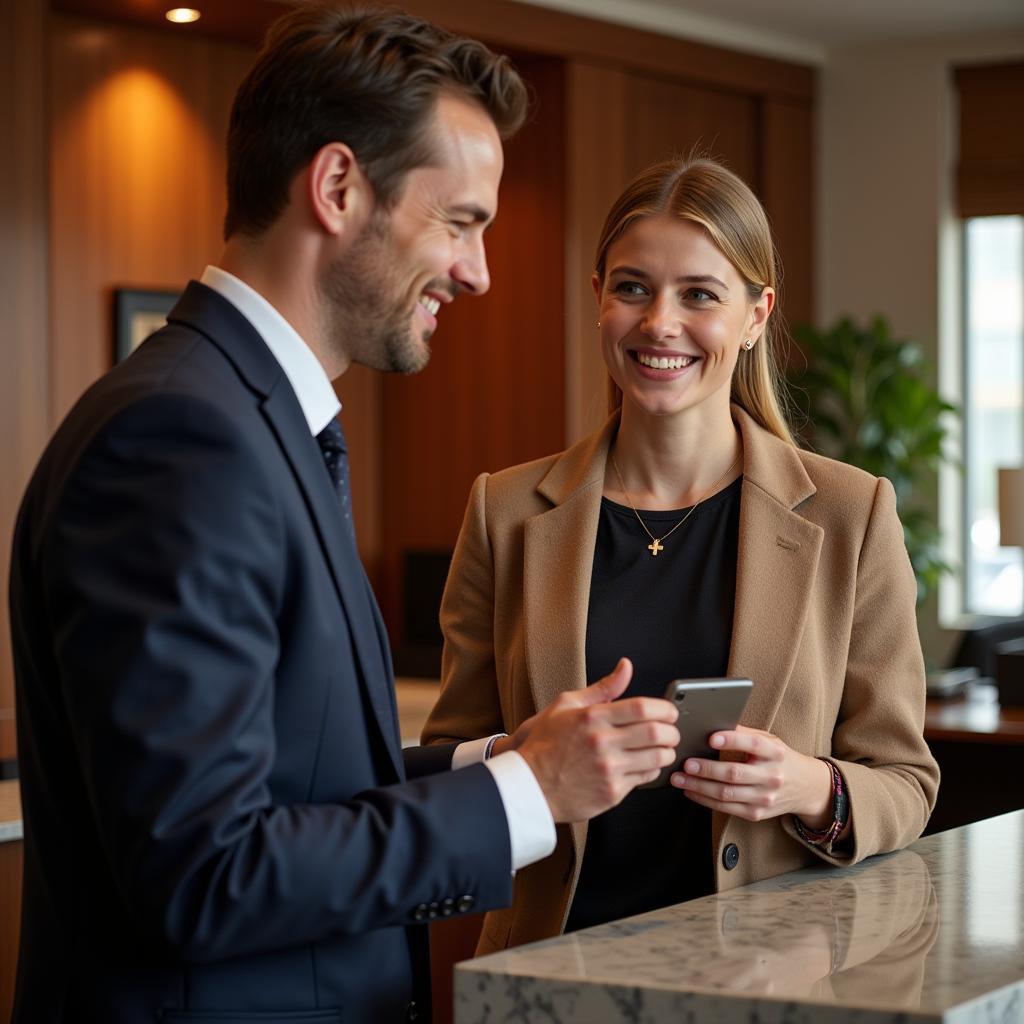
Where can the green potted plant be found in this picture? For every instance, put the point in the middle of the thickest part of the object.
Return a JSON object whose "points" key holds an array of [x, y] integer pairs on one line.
{"points": [[868, 402]]}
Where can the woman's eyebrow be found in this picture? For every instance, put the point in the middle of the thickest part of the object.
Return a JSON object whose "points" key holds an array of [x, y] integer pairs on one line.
{"points": [[684, 279]]}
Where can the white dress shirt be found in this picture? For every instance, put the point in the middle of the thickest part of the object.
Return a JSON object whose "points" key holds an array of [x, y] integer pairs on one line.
{"points": [[530, 825]]}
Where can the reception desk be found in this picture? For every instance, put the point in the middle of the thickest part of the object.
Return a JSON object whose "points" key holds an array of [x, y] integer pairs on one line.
{"points": [[973, 739], [10, 891], [932, 933]]}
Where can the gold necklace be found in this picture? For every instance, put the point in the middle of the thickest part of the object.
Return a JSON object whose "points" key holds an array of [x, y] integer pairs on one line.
{"points": [[655, 546]]}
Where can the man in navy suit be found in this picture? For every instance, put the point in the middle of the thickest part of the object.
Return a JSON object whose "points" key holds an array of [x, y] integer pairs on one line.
{"points": [[220, 823]]}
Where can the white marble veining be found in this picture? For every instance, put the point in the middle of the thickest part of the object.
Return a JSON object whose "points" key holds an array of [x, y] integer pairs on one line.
{"points": [[931, 933]]}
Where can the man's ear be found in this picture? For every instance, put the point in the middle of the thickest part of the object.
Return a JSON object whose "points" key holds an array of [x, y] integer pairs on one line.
{"points": [[340, 197]]}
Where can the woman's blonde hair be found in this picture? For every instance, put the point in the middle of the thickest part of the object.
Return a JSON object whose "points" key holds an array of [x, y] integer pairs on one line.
{"points": [[703, 191]]}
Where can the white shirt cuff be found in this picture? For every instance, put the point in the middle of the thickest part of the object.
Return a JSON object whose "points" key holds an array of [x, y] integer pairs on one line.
{"points": [[470, 752], [531, 828]]}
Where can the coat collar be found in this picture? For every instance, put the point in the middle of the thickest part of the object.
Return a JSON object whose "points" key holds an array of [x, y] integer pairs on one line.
{"points": [[221, 323], [204, 310], [769, 464], [559, 546]]}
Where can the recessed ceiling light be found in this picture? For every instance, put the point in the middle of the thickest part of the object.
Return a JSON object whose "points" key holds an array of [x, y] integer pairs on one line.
{"points": [[182, 15]]}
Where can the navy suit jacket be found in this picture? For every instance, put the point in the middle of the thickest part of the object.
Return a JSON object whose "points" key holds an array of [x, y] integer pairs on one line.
{"points": [[220, 823]]}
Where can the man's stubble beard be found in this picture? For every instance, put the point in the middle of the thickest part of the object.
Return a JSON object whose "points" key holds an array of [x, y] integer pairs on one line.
{"points": [[365, 318]]}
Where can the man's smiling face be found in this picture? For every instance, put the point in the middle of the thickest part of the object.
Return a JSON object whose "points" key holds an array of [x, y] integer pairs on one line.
{"points": [[387, 289]]}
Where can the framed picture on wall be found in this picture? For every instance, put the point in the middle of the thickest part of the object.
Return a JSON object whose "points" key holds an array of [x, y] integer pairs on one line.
{"points": [[137, 314]]}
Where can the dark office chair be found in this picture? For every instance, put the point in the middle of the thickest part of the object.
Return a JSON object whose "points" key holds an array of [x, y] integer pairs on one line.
{"points": [[424, 574], [978, 646]]}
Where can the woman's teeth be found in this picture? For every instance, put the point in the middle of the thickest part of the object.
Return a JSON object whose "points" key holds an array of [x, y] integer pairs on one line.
{"points": [[664, 362]]}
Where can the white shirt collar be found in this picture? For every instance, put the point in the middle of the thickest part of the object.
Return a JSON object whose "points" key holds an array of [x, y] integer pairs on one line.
{"points": [[304, 371]]}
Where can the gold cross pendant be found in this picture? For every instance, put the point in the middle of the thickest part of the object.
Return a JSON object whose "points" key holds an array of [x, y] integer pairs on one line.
{"points": [[655, 547]]}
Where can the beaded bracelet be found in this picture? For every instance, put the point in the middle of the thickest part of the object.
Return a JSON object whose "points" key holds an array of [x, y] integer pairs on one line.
{"points": [[840, 813]]}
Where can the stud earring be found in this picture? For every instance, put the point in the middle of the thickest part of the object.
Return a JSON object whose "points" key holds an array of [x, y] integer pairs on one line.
{"points": [[598, 323], [748, 344]]}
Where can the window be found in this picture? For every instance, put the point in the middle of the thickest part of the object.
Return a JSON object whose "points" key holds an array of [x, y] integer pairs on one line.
{"points": [[990, 201], [994, 406]]}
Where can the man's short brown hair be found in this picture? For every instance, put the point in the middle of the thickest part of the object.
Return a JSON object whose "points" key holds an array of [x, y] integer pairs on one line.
{"points": [[368, 78]]}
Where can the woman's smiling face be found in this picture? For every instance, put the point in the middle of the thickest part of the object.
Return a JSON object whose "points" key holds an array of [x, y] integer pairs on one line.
{"points": [[675, 314]]}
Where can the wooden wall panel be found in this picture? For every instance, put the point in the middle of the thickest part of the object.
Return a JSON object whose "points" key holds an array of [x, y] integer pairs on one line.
{"points": [[667, 119], [621, 122], [521, 26], [788, 193], [23, 384], [137, 176], [493, 394], [598, 164]]}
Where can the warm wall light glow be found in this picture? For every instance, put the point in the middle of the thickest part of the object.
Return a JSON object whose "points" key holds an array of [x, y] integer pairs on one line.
{"points": [[182, 15]]}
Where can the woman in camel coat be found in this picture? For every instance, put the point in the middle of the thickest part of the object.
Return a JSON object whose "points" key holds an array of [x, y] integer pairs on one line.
{"points": [[765, 562]]}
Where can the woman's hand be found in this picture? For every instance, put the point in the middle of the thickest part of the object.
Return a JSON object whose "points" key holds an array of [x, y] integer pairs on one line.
{"points": [[769, 779]]}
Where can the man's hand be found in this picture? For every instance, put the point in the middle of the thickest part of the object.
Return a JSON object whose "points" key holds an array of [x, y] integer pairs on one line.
{"points": [[587, 753]]}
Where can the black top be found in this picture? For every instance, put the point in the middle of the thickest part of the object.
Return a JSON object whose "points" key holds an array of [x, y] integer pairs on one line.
{"points": [[671, 614]]}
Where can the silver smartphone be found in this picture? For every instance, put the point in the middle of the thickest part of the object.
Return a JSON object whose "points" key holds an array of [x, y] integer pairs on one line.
{"points": [[705, 706]]}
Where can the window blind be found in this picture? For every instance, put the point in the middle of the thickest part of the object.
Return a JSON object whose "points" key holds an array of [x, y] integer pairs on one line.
{"points": [[990, 171]]}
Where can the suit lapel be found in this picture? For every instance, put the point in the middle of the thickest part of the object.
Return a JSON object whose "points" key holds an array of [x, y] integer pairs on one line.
{"points": [[285, 417], [204, 310]]}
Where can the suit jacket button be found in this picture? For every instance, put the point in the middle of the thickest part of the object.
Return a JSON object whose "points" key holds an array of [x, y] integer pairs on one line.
{"points": [[412, 1011], [464, 904], [447, 907], [731, 856], [420, 913], [432, 910]]}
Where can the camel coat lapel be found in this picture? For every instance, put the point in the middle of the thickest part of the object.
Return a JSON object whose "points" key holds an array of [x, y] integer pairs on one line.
{"points": [[777, 555], [557, 561]]}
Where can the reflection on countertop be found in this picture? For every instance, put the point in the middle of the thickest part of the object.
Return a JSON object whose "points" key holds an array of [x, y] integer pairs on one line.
{"points": [[931, 933]]}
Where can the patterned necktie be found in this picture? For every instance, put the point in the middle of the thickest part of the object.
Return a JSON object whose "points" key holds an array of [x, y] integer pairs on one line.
{"points": [[335, 452]]}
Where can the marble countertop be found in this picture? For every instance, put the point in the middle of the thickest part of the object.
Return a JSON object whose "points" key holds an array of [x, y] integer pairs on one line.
{"points": [[931, 933]]}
